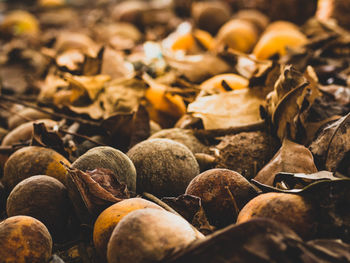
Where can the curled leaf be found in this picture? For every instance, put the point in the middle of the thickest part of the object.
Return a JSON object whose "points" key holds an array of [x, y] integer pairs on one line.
{"points": [[292, 96], [291, 158], [332, 144], [93, 191]]}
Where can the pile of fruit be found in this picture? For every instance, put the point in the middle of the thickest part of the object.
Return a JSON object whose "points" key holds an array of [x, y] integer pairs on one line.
{"points": [[174, 131]]}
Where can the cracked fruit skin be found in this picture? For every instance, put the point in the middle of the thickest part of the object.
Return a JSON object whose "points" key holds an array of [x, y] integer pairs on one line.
{"points": [[33, 160], [24, 239], [110, 217], [289, 209], [277, 37]]}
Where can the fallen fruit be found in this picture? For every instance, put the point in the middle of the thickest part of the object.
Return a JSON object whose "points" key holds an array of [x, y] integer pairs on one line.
{"points": [[277, 38], [25, 115], [110, 217], [19, 22], [24, 132], [155, 234], [223, 193], [215, 84], [289, 209], [33, 160], [24, 239], [109, 158], [164, 167], [238, 34], [184, 136], [44, 198], [210, 16]]}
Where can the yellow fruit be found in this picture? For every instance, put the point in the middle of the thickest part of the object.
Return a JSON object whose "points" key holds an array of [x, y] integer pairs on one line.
{"points": [[234, 81], [188, 42], [24, 239], [19, 22], [238, 34], [51, 3], [111, 216], [277, 38]]}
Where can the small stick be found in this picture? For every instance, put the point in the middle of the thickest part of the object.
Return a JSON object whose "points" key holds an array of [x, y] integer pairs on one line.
{"points": [[81, 136], [58, 115], [222, 132], [233, 200]]}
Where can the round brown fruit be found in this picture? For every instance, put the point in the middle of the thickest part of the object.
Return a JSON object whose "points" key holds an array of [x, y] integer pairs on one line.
{"points": [[25, 115], [210, 16], [289, 209], [24, 239], [184, 136], [222, 192], [148, 235], [111, 216], [109, 158], [24, 132], [33, 160], [44, 198], [164, 167]]}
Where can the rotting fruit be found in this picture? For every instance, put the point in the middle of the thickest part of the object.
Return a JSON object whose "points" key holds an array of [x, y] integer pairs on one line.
{"points": [[110, 217], [24, 239]]}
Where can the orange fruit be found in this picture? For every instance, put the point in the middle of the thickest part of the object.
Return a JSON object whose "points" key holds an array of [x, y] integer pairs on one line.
{"points": [[238, 34], [111, 216], [234, 81], [289, 209], [277, 37]]}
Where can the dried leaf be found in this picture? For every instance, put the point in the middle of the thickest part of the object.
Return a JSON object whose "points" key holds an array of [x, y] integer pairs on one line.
{"points": [[190, 207], [293, 95], [332, 144], [93, 191], [290, 158], [230, 109], [127, 129], [199, 67], [301, 180], [49, 139]]}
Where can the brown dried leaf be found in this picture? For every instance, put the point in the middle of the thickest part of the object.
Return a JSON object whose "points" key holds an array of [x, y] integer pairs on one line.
{"points": [[230, 109], [93, 191], [332, 144], [44, 138], [190, 207], [290, 158], [198, 68], [294, 94]]}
